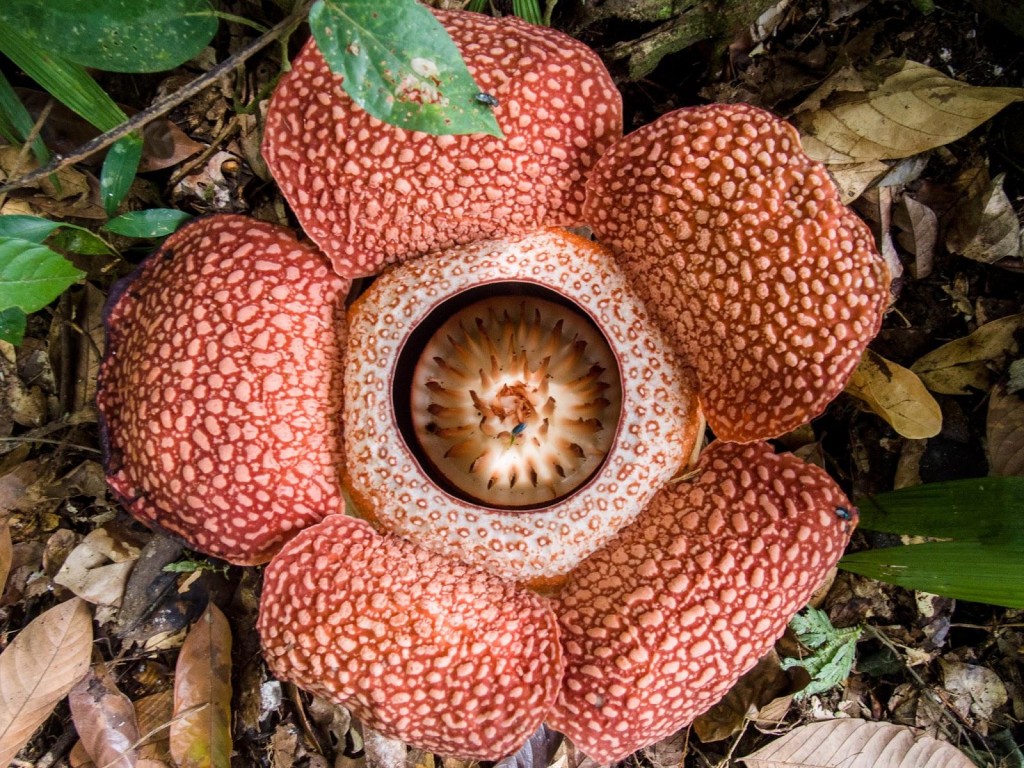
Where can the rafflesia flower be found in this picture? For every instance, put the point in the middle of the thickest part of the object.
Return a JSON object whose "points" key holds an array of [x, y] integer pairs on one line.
{"points": [[510, 413]]}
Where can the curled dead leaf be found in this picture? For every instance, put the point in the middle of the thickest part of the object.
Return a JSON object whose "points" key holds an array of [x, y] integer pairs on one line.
{"points": [[856, 743], [897, 395], [972, 362], [98, 568], [911, 108], [39, 668], [985, 226]]}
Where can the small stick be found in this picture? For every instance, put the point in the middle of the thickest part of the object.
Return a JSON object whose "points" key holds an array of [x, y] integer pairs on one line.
{"points": [[162, 105]]}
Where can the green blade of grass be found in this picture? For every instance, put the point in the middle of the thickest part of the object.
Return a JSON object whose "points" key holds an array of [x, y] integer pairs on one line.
{"points": [[986, 509], [67, 82], [968, 570], [16, 122], [527, 10]]}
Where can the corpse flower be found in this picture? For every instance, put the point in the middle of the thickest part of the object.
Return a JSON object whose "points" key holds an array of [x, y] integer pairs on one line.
{"points": [[510, 413]]}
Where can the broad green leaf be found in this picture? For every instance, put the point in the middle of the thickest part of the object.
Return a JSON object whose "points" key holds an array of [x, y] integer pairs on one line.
{"points": [[31, 275], [115, 35], [119, 169], [400, 65], [12, 325], [79, 240], [16, 123], [985, 509], [34, 228], [155, 222], [66, 81], [968, 570], [981, 516]]}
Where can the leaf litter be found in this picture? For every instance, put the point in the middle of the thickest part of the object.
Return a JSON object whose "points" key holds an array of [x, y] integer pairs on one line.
{"points": [[944, 194]]}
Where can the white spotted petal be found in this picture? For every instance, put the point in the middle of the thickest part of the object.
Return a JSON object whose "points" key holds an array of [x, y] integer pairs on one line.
{"points": [[659, 625]]}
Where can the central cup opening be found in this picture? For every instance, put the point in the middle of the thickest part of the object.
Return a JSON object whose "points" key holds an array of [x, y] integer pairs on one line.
{"points": [[514, 397]]}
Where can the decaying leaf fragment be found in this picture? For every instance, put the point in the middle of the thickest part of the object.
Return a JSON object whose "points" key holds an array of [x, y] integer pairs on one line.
{"points": [[39, 668], [758, 687], [972, 362], [856, 743], [904, 109], [105, 720], [897, 395], [985, 226], [1005, 431], [201, 729]]}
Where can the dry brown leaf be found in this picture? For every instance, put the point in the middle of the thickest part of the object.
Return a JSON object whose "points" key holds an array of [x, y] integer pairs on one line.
{"points": [[856, 743], [853, 178], [154, 714], [97, 569], [985, 226], [201, 728], [912, 109], [920, 235], [973, 362], [38, 669], [1005, 427], [105, 720], [897, 395]]}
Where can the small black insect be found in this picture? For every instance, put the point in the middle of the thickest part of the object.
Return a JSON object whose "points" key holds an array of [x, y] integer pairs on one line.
{"points": [[488, 99], [843, 513]]}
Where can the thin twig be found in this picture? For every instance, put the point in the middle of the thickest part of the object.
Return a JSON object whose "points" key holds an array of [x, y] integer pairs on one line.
{"points": [[162, 105]]}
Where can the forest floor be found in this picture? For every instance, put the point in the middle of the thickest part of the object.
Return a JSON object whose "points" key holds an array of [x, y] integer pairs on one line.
{"points": [[951, 667]]}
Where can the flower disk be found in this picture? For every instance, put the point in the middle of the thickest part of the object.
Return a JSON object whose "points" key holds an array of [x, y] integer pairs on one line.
{"points": [[420, 647], [658, 626], [371, 194], [220, 392], [393, 485], [516, 401], [739, 244]]}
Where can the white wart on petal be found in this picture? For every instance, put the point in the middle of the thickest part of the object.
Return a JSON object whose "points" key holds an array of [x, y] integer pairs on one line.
{"points": [[658, 626]]}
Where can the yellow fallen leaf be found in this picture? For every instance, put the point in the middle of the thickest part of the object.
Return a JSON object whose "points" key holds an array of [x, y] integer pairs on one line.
{"points": [[200, 735], [897, 395], [973, 362], [912, 109]]}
